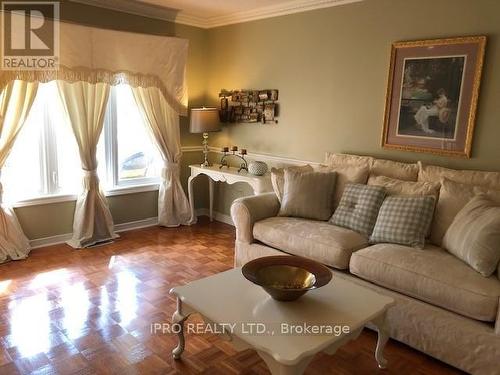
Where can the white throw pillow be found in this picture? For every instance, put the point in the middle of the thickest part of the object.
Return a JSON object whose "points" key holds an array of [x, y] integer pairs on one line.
{"points": [[308, 194], [278, 177], [453, 196], [474, 235]]}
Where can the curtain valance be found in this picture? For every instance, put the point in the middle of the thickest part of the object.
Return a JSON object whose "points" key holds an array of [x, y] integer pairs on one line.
{"points": [[98, 55]]}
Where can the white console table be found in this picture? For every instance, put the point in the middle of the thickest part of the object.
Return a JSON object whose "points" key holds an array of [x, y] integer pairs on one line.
{"points": [[259, 184]]}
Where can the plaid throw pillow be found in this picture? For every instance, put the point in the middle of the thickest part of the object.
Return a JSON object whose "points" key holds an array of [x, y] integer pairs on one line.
{"points": [[358, 208], [404, 220]]}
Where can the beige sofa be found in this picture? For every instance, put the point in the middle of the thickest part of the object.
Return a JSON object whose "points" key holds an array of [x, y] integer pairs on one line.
{"points": [[444, 308]]}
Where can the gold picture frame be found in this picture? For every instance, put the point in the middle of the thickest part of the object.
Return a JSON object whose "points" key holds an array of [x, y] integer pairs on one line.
{"points": [[432, 95]]}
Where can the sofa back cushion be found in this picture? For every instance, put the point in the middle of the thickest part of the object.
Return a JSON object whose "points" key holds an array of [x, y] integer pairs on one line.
{"points": [[308, 194], [278, 177], [395, 169], [474, 235], [404, 220], [333, 159], [432, 173], [346, 174], [399, 187], [358, 208]]}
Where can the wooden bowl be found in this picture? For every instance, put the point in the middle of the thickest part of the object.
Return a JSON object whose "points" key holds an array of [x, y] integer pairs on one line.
{"points": [[286, 278]]}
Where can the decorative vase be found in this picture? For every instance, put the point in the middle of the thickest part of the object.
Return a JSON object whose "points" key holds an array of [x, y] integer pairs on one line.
{"points": [[257, 168]]}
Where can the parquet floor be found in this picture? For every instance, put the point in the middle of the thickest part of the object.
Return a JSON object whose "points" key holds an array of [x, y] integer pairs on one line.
{"points": [[65, 311]]}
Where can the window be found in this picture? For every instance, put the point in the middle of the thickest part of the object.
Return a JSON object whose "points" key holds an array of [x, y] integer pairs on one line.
{"points": [[44, 160], [127, 155]]}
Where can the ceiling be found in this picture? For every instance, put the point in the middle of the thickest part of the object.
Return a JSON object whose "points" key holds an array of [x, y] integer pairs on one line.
{"points": [[213, 13]]}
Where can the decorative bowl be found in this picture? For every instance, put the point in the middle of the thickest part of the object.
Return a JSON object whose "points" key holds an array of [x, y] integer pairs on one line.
{"points": [[286, 278], [257, 168]]}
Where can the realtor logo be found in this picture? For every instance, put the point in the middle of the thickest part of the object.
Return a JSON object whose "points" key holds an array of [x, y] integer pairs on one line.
{"points": [[30, 35]]}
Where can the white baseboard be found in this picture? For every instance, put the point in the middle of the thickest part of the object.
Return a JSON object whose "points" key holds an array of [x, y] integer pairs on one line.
{"points": [[223, 218], [48, 241], [122, 227], [144, 223]]}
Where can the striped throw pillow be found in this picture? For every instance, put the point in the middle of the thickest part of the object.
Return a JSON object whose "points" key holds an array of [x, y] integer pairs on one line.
{"points": [[404, 220]]}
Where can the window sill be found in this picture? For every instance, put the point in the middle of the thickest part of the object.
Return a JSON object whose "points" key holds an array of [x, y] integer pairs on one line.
{"points": [[72, 197]]}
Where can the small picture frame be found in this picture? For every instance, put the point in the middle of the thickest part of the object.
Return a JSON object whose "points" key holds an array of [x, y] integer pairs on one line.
{"points": [[268, 112]]}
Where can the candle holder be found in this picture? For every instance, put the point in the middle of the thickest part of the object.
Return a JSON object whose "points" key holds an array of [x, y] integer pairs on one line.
{"points": [[226, 154]]}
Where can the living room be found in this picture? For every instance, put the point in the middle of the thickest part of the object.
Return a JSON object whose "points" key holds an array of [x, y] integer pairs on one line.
{"points": [[358, 136]]}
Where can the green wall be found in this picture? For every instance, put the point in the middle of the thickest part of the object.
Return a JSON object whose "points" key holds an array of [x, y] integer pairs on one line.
{"points": [[331, 68]]}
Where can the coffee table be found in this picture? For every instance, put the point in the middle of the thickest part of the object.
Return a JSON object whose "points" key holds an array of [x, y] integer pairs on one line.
{"points": [[286, 335]]}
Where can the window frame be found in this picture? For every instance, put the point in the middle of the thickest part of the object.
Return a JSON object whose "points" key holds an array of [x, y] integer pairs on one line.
{"points": [[49, 169], [48, 158], [110, 132]]}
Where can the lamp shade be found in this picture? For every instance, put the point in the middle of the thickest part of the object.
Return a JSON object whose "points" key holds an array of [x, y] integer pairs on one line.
{"points": [[204, 120]]}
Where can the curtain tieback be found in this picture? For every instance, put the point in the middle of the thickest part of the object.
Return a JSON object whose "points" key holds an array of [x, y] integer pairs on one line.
{"points": [[169, 168], [90, 179]]}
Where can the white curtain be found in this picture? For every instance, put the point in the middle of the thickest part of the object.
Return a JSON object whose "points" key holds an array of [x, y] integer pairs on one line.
{"points": [[163, 121], [85, 106], [15, 103]]}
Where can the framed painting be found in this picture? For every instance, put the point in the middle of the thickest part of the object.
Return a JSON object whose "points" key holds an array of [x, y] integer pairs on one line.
{"points": [[432, 95]]}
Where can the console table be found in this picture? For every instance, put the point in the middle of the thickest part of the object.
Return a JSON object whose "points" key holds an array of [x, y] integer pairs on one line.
{"points": [[259, 184]]}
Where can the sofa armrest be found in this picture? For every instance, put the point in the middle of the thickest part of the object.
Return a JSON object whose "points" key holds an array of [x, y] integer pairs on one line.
{"points": [[248, 210]]}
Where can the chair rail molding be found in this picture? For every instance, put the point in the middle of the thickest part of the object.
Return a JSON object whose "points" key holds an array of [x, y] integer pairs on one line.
{"points": [[272, 159]]}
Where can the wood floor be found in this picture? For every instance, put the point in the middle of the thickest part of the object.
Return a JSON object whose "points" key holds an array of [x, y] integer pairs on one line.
{"points": [[65, 311]]}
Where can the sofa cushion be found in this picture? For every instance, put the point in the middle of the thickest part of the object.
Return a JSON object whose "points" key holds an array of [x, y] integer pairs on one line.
{"points": [[404, 220], [316, 240], [278, 177], [333, 159], [474, 235], [346, 174], [433, 173], [358, 208], [308, 194], [431, 275], [395, 186], [395, 169]]}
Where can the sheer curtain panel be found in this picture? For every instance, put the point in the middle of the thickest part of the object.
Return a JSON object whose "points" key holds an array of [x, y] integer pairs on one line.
{"points": [[15, 102], [85, 106], [163, 122]]}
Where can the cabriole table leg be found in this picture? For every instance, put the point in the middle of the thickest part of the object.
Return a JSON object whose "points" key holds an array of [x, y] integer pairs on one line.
{"points": [[383, 337], [179, 319]]}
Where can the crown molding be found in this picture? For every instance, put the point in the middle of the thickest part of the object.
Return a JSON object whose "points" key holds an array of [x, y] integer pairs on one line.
{"points": [[296, 6], [134, 7], [186, 18]]}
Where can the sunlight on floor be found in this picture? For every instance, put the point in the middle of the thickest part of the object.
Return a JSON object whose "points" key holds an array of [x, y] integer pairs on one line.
{"points": [[4, 286], [49, 278]]}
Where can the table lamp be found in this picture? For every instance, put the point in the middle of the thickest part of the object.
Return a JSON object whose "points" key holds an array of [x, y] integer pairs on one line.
{"points": [[204, 120]]}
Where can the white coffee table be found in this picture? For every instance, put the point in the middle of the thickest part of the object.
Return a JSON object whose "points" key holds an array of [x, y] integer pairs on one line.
{"points": [[241, 310]]}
